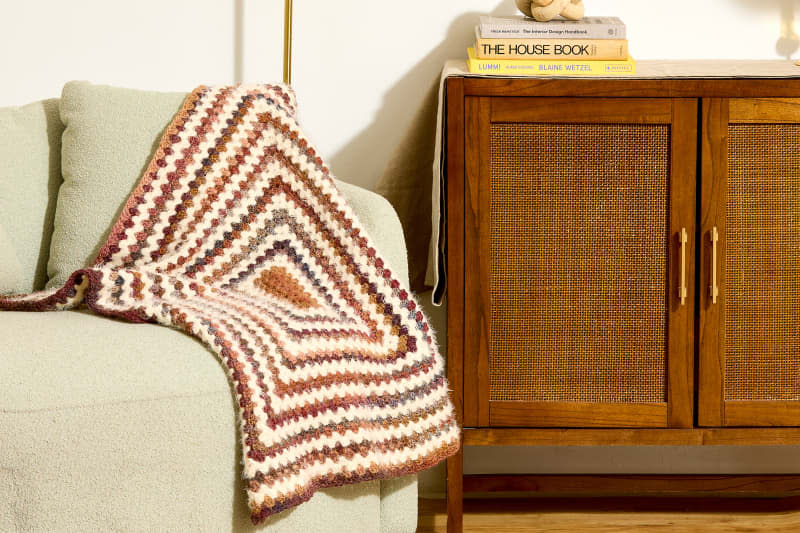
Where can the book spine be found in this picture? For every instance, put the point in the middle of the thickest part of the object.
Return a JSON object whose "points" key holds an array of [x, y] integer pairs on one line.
{"points": [[595, 49], [543, 30], [529, 67]]}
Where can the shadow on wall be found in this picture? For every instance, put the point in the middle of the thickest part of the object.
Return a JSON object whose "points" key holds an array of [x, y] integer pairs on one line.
{"points": [[788, 41], [406, 180]]}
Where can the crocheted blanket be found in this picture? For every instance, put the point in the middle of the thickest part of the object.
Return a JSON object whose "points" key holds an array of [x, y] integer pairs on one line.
{"points": [[237, 235]]}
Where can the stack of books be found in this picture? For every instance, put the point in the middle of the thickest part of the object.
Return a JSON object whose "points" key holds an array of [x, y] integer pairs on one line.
{"points": [[521, 46]]}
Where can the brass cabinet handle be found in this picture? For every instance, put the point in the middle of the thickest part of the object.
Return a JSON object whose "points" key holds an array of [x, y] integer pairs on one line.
{"points": [[682, 290], [714, 288]]}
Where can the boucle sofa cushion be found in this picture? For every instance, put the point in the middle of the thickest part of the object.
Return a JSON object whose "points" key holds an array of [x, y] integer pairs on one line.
{"points": [[30, 174], [132, 427], [11, 279], [110, 136]]}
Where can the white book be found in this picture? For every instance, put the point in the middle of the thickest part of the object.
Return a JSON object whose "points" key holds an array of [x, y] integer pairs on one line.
{"points": [[526, 27]]}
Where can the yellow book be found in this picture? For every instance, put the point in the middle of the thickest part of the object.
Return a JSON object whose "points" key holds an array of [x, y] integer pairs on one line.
{"points": [[548, 67], [564, 49]]}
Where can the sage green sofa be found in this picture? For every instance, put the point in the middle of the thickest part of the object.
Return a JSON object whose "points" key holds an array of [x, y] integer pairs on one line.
{"points": [[111, 426]]}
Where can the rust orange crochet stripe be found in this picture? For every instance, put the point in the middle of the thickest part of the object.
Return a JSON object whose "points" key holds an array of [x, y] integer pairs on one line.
{"points": [[238, 235]]}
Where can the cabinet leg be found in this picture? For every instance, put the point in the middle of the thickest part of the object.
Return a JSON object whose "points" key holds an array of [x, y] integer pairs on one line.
{"points": [[455, 493]]}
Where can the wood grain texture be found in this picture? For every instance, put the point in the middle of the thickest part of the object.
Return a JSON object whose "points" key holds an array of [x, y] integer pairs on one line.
{"points": [[615, 515], [711, 331], [471, 273], [751, 436], [759, 247], [455, 296], [566, 110], [577, 414], [480, 255], [780, 110], [639, 485], [657, 88], [473, 103], [477, 263], [455, 492], [682, 214], [484, 257], [631, 437], [762, 413]]}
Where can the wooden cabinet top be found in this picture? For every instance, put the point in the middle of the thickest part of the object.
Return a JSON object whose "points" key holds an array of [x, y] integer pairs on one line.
{"points": [[632, 87], [653, 78]]}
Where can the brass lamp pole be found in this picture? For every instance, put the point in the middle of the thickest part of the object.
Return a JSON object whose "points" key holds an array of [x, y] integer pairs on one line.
{"points": [[287, 42]]}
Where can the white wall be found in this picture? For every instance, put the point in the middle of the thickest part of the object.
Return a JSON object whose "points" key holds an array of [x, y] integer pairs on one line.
{"points": [[171, 45], [360, 67], [361, 71]]}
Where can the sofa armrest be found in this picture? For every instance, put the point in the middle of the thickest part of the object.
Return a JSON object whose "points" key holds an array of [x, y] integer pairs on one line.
{"points": [[380, 221], [382, 225]]}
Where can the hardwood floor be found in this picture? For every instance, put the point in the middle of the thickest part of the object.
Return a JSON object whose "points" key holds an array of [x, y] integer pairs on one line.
{"points": [[617, 515]]}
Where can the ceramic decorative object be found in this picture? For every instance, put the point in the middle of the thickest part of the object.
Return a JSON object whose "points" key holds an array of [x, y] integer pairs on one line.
{"points": [[544, 10]]}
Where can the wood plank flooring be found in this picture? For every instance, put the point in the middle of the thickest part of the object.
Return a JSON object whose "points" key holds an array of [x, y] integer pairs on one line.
{"points": [[617, 515]]}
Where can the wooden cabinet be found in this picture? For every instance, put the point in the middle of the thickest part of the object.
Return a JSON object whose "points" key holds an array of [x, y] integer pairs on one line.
{"points": [[578, 307], [750, 263], [623, 264]]}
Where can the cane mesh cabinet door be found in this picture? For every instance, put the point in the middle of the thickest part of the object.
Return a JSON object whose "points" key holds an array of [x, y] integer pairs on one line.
{"points": [[579, 258], [750, 269]]}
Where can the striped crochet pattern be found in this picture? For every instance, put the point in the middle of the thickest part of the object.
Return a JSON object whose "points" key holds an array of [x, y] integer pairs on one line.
{"points": [[237, 235]]}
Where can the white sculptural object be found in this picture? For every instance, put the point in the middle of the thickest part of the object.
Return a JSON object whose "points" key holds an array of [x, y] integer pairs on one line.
{"points": [[544, 10]]}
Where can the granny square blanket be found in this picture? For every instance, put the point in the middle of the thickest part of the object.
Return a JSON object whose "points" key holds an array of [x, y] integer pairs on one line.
{"points": [[237, 235]]}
